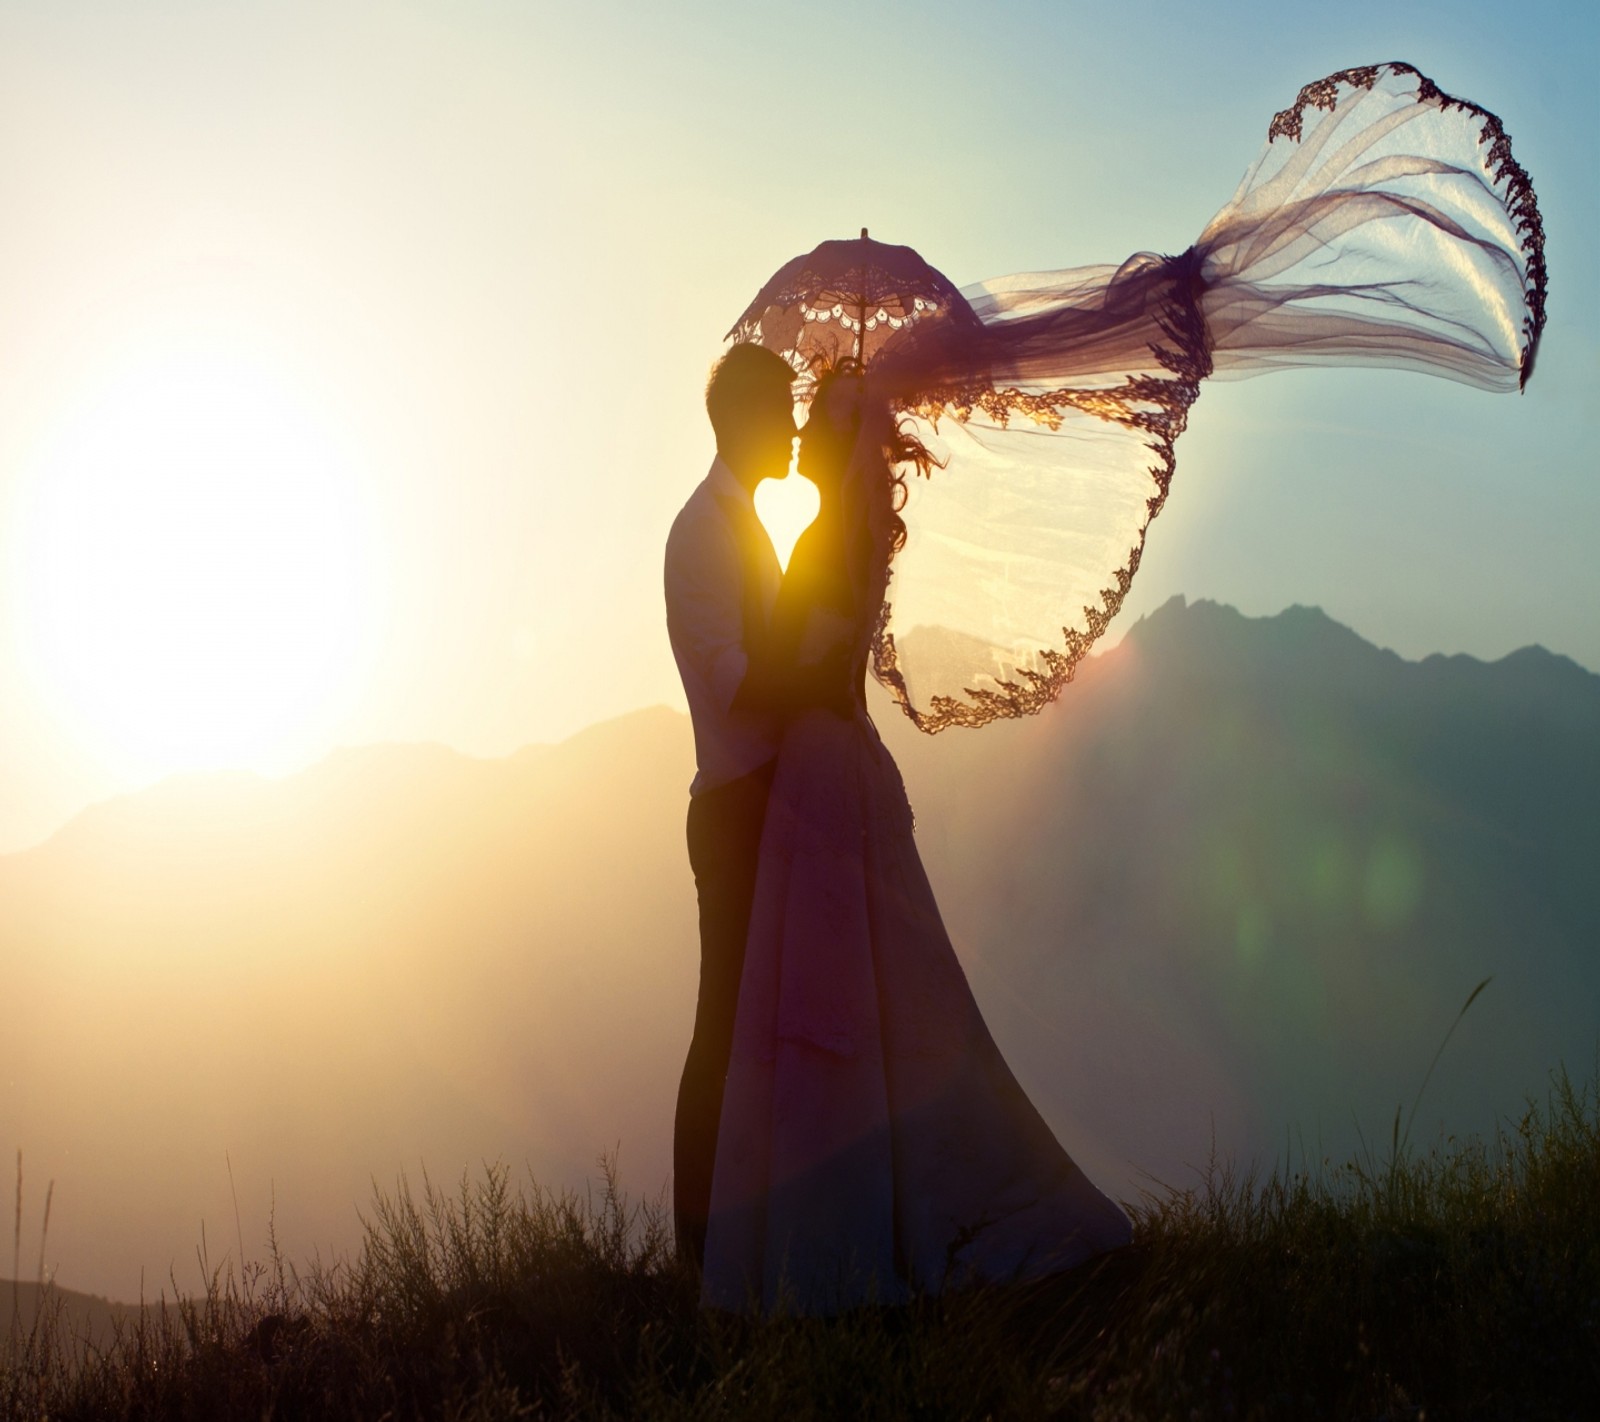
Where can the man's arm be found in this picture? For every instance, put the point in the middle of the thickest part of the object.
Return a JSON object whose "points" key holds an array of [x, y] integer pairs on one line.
{"points": [[783, 688], [776, 681], [706, 625], [705, 607]]}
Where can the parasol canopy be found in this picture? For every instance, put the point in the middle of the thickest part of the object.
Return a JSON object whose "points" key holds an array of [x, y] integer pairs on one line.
{"points": [[848, 297]]}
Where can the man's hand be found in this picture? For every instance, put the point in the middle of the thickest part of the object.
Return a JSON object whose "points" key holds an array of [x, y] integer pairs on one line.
{"points": [[826, 684], [786, 690]]}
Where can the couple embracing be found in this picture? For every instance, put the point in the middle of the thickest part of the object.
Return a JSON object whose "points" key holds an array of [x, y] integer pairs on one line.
{"points": [[847, 1131]]}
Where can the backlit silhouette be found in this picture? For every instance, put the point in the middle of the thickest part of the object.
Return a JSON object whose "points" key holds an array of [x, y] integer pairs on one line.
{"points": [[847, 1130]]}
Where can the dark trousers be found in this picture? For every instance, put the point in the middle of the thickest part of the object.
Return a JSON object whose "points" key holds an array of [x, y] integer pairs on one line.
{"points": [[724, 846]]}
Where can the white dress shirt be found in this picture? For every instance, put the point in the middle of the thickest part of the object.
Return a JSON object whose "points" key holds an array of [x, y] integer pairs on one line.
{"points": [[721, 575]]}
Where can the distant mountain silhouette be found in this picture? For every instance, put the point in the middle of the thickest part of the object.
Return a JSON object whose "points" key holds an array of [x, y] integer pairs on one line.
{"points": [[1238, 881], [80, 1318]]}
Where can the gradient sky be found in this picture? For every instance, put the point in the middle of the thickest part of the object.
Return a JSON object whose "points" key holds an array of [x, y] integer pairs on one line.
{"points": [[462, 269]]}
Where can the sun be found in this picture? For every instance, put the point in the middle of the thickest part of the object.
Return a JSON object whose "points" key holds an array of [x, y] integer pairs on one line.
{"points": [[194, 585]]}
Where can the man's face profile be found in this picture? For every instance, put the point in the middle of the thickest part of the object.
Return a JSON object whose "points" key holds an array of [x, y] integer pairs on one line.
{"points": [[773, 430]]}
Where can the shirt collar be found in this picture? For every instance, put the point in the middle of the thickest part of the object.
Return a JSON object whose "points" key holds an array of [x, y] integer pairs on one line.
{"points": [[725, 486]]}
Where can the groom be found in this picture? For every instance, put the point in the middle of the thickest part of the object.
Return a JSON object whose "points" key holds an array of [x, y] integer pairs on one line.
{"points": [[721, 582]]}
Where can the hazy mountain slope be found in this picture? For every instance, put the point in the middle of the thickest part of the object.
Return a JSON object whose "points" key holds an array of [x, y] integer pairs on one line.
{"points": [[400, 955], [1240, 879], [1269, 858], [81, 1319]]}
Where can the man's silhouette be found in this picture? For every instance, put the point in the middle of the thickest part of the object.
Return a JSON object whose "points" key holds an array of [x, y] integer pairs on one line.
{"points": [[722, 578]]}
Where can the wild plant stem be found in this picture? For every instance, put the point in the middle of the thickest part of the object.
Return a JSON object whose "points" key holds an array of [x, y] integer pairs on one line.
{"points": [[16, 1255], [44, 1234], [1398, 1142]]}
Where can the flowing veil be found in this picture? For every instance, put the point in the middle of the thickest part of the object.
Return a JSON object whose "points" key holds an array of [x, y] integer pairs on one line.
{"points": [[1385, 223]]}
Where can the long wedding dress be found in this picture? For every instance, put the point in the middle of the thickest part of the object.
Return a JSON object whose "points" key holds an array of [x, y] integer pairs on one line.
{"points": [[873, 1141]]}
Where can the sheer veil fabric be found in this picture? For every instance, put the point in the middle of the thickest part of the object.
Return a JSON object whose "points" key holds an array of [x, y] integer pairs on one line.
{"points": [[1385, 223]]}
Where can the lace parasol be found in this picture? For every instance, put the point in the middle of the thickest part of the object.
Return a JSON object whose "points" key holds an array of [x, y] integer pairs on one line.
{"points": [[848, 298]]}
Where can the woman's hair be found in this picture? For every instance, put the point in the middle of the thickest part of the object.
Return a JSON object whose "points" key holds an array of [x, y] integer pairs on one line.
{"points": [[898, 443]]}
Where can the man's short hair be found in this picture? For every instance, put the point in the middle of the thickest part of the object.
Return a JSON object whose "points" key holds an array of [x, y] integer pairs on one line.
{"points": [[743, 376]]}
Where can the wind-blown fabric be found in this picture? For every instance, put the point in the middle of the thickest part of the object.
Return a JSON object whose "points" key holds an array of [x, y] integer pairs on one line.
{"points": [[1385, 224]]}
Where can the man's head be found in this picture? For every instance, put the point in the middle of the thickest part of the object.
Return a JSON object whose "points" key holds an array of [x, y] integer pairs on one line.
{"points": [[752, 412]]}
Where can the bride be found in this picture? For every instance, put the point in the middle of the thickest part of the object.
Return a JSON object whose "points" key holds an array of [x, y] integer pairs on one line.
{"points": [[873, 1141]]}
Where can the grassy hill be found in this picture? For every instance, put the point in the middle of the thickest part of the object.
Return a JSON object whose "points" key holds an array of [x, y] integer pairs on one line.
{"points": [[1459, 1283]]}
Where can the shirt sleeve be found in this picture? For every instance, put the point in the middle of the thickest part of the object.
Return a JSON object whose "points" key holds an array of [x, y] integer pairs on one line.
{"points": [[705, 607]]}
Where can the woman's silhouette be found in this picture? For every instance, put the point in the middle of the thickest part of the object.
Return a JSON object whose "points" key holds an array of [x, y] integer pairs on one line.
{"points": [[873, 1140]]}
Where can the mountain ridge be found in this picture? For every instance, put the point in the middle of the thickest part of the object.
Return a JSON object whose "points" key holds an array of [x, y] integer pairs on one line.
{"points": [[1297, 617]]}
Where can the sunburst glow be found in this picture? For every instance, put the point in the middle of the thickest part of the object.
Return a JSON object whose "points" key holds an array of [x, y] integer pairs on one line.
{"points": [[193, 583], [786, 508]]}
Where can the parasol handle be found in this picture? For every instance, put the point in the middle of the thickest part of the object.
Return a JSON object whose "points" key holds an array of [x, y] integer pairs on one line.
{"points": [[861, 314]]}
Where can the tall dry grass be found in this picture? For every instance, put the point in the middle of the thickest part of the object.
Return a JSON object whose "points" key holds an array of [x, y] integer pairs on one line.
{"points": [[1463, 1281]]}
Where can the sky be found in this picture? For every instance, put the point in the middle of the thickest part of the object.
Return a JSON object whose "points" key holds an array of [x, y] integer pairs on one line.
{"points": [[352, 359]]}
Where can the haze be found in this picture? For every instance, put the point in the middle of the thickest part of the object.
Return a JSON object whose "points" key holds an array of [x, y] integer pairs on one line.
{"points": [[353, 353], [350, 376]]}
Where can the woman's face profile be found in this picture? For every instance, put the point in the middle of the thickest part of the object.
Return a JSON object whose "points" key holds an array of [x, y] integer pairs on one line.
{"points": [[825, 438]]}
